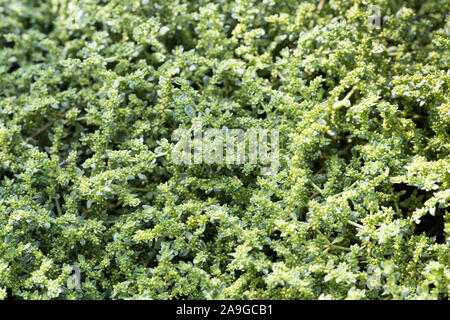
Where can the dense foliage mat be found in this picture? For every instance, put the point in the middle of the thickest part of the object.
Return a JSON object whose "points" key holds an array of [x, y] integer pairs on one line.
{"points": [[91, 92]]}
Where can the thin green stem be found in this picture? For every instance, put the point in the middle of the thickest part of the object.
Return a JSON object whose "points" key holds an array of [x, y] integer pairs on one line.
{"points": [[326, 239], [355, 224], [161, 154], [58, 207], [341, 103], [316, 187], [341, 248]]}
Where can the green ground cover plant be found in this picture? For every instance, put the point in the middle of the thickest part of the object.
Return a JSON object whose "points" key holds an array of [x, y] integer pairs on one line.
{"points": [[91, 92]]}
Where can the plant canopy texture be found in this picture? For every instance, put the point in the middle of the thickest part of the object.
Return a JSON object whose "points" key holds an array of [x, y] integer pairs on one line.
{"points": [[91, 92]]}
